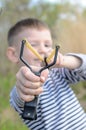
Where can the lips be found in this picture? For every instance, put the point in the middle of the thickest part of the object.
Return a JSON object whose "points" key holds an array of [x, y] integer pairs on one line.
{"points": [[38, 62]]}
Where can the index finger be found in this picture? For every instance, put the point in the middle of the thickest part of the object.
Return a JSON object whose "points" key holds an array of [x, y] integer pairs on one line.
{"points": [[26, 72]]}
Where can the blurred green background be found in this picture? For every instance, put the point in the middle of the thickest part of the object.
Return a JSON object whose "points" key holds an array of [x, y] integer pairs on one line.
{"points": [[68, 25]]}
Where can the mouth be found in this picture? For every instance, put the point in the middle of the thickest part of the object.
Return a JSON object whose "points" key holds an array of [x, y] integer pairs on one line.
{"points": [[39, 63]]}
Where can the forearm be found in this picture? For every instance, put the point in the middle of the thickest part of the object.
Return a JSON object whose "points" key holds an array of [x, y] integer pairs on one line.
{"points": [[75, 72], [16, 101], [71, 62]]}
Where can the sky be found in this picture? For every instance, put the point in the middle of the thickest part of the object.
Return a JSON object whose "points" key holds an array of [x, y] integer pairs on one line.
{"points": [[80, 2]]}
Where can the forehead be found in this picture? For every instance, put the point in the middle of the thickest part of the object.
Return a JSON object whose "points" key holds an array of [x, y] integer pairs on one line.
{"points": [[32, 33]]}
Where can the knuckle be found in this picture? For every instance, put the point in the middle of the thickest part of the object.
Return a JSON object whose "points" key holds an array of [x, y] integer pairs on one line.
{"points": [[17, 75], [29, 98], [38, 91], [26, 83]]}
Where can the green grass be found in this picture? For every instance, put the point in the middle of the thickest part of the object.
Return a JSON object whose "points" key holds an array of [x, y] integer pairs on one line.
{"points": [[10, 125], [80, 91], [9, 119]]}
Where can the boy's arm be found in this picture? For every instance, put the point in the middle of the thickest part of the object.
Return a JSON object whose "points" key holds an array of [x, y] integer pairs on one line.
{"points": [[69, 61], [75, 72], [16, 101]]}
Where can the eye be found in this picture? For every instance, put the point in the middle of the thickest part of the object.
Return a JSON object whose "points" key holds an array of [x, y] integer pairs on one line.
{"points": [[33, 44], [48, 45]]}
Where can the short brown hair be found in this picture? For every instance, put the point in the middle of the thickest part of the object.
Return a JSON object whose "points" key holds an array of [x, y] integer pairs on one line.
{"points": [[23, 24]]}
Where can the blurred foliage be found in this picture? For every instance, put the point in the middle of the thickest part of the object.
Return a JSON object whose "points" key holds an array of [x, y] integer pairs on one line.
{"points": [[68, 26]]}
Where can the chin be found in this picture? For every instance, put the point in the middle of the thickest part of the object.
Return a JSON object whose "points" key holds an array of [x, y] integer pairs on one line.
{"points": [[38, 65]]}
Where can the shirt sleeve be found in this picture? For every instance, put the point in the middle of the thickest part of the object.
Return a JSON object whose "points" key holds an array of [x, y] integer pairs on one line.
{"points": [[78, 74], [16, 101]]}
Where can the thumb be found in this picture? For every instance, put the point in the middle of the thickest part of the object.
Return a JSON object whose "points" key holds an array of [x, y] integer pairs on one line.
{"points": [[44, 75], [35, 68]]}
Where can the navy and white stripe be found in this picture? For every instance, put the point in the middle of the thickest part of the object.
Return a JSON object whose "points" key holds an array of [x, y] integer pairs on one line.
{"points": [[58, 107]]}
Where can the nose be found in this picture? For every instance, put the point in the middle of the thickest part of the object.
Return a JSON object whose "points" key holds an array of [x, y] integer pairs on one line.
{"points": [[42, 49]]}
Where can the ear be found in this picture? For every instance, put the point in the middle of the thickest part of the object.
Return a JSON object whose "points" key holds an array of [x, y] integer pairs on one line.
{"points": [[12, 55]]}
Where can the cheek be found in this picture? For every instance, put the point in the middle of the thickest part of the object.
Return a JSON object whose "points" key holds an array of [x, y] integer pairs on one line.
{"points": [[28, 57]]}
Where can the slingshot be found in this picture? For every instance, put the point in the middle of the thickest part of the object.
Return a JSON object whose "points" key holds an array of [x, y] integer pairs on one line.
{"points": [[30, 108]]}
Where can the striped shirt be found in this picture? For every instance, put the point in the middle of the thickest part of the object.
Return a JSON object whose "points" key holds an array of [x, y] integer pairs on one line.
{"points": [[58, 107]]}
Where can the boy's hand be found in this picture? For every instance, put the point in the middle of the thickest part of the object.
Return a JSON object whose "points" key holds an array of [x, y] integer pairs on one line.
{"points": [[59, 61], [28, 84]]}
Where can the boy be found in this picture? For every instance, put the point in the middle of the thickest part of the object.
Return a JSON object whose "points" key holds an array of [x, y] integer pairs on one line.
{"points": [[58, 108]]}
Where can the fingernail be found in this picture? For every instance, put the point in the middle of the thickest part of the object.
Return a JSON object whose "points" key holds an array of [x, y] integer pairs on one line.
{"points": [[42, 79]]}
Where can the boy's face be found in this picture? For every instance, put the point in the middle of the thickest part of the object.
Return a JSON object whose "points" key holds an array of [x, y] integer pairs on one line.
{"points": [[41, 40]]}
